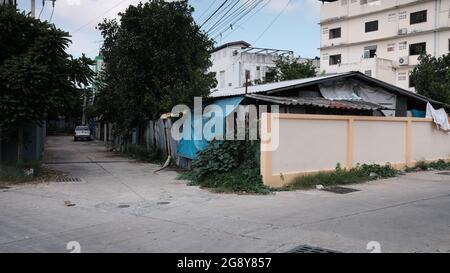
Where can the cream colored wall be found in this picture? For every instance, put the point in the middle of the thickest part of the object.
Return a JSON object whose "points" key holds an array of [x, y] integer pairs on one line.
{"points": [[378, 142], [324, 136], [429, 143], [313, 143]]}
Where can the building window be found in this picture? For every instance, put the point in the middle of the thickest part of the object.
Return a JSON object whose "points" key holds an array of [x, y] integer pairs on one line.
{"points": [[372, 26], [222, 79], [418, 17], [402, 15], [368, 73], [448, 44], [335, 33], [370, 52], [335, 59], [417, 49], [402, 45]]}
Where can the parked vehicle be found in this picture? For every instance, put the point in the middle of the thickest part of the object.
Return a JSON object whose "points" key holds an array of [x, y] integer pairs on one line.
{"points": [[82, 133]]}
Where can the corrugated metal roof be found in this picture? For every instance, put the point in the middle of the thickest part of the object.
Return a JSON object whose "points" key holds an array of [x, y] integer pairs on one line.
{"points": [[270, 86], [289, 85], [319, 102]]}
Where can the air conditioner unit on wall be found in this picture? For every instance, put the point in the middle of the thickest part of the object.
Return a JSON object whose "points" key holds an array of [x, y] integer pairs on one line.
{"points": [[403, 31], [402, 61]]}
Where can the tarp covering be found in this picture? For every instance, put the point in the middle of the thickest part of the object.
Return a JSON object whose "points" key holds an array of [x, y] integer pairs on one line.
{"points": [[191, 148], [347, 89], [439, 117]]}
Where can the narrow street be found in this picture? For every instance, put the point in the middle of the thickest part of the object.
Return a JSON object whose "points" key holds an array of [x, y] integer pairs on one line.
{"points": [[123, 206]]}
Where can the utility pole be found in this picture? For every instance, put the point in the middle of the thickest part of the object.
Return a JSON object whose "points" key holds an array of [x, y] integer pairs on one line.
{"points": [[33, 8]]}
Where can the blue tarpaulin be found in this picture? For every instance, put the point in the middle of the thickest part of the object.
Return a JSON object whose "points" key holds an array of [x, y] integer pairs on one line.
{"points": [[190, 148], [418, 113]]}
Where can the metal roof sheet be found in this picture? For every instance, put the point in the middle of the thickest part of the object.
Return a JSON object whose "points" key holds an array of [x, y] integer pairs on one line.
{"points": [[270, 86], [319, 102]]}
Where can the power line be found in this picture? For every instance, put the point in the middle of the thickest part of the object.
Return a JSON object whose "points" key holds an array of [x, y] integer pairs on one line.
{"points": [[53, 9], [225, 21], [204, 12], [241, 15], [273, 21], [94, 19], [226, 13], [250, 17], [214, 13], [43, 5]]}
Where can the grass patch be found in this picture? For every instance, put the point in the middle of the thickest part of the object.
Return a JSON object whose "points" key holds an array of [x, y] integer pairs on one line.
{"points": [[439, 165], [12, 173], [359, 174], [228, 167]]}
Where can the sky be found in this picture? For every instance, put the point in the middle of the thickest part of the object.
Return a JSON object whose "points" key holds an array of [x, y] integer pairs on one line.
{"points": [[281, 24]]}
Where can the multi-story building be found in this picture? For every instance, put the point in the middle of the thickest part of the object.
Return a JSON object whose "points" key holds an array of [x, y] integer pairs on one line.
{"points": [[232, 62], [382, 38]]}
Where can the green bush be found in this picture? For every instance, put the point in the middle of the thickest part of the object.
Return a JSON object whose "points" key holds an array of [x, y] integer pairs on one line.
{"points": [[228, 166], [359, 174]]}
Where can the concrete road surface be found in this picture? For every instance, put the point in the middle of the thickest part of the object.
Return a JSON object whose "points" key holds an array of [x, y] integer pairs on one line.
{"points": [[123, 206]]}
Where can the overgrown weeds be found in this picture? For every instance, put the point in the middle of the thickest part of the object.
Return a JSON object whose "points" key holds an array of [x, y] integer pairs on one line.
{"points": [[439, 165], [359, 174], [228, 166]]}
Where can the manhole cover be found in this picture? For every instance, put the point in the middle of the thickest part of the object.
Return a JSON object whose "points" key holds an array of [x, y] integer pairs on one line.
{"points": [[444, 173], [163, 203], [311, 249], [69, 179], [339, 190], [123, 206]]}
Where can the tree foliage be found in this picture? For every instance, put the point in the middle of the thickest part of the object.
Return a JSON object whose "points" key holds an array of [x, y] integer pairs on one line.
{"points": [[290, 68], [432, 77], [37, 76], [156, 57]]}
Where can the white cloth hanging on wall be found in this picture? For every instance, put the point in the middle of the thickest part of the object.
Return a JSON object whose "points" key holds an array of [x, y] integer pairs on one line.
{"points": [[439, 117]]}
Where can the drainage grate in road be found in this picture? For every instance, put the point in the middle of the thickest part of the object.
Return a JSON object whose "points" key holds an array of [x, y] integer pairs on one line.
{"points": [[311, 249], [163, 203], [339, 190], [444, 173], [123, 206], [69, 179]]}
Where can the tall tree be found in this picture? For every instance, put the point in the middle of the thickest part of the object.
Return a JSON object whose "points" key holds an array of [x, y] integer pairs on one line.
{"points": [[431, 77], [156, 57], [37, 76], [290, 68]]}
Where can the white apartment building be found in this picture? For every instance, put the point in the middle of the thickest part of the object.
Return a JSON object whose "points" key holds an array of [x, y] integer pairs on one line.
{"points": [[382, 38], [233, 61]]}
